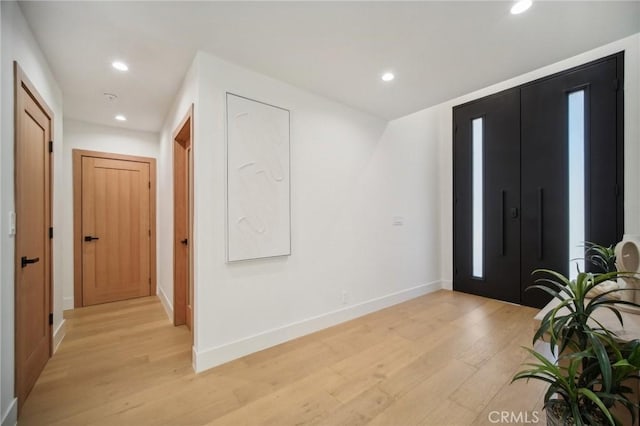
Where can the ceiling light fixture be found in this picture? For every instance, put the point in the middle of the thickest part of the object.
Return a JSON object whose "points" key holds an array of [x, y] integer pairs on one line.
{"points": [[120, 117], [521, 6], [120, 66], [388, 76]]}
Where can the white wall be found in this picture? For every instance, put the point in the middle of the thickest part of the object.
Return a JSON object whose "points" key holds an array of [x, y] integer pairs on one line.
{"points": [[351, 174], [19, 44], [187, 96], [91, 137], [631, 47]]}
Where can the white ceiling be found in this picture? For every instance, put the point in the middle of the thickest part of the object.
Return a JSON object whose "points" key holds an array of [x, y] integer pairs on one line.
{"points": [[438, 50]]}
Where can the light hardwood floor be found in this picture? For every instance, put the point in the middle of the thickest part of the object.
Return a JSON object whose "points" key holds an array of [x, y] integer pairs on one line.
{"points": [[442, 359]]}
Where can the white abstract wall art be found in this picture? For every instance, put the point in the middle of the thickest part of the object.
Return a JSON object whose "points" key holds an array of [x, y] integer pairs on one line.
{"points": [[258, 185]]}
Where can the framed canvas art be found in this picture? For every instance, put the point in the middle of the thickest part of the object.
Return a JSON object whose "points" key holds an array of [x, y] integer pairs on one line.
{"points": [[258, 180]]}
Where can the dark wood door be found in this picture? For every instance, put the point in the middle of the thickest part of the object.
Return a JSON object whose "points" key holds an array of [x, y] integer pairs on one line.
{"points": [[487, 224]]}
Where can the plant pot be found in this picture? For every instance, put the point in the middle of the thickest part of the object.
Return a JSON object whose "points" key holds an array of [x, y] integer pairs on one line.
{"points": [[555, 417]]}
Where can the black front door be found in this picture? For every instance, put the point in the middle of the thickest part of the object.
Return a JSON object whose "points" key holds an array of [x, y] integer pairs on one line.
{"points": [[559, 160], [487, 197], [538, 170]]}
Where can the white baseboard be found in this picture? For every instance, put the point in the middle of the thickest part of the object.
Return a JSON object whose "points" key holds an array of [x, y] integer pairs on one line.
{"points": [[208, 358], [58, 335], [168, 306], [447, 285], [67, 303], [10, 417]]}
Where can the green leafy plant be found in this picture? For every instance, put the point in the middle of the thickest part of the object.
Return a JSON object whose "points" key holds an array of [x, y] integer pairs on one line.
{"points": [[602, 257], [593, 367]]}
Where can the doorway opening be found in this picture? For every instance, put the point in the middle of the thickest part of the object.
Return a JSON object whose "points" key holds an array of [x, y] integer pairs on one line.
{"points": [[182, 222]]}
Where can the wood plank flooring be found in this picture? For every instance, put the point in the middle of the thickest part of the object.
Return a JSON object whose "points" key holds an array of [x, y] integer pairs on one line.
{"points": [[442, 359]]}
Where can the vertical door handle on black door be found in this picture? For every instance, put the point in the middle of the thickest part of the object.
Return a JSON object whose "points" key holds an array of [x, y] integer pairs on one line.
{"points": [[540, 222], [503, 194]]}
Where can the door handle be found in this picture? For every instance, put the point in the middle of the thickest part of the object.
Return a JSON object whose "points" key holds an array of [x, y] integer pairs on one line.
{"points": [[89, 238], [514, 212], [24, 261], [540, 222], [503, 194], [185, 241]]}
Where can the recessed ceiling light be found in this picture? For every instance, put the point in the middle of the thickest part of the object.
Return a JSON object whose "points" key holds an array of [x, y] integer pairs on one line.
{"points": [[388, 76], [521, 6], [120, 117], [120, 66]]}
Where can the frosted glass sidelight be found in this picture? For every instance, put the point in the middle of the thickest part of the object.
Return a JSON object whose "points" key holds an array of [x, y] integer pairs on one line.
{"points": [[477, 188], [576, 134]]}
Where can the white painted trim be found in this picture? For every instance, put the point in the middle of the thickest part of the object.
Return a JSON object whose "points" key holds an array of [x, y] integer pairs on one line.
{"points": [[168, 306], [212, 357], [67, 303], [447, 285], [10, 417], [58, 335]]}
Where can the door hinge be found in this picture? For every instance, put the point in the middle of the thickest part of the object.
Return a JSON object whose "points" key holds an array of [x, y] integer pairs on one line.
{"points": [[149, 184], [50, 318], [50, 232], [149, 232], [50, 146], [616, 85]]}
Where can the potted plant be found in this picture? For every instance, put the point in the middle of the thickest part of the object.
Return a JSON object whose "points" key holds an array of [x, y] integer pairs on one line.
{"points": [[602, 257], [593, 369]]}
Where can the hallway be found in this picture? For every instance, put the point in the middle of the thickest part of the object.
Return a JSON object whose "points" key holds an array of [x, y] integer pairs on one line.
{"points": [[443, 358]]}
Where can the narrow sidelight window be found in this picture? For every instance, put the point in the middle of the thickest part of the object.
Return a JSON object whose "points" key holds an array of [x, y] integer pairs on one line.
{"points": [[576, 135], [477, 198]]}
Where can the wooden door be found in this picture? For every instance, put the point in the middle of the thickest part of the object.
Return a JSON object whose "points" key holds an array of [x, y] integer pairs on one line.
{"points": [[183, 195], [116, 230], [33, 244]]}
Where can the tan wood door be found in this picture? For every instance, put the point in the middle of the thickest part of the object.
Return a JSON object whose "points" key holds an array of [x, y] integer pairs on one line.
{"points": [[116, 230], [183, 195], [33, 244]]}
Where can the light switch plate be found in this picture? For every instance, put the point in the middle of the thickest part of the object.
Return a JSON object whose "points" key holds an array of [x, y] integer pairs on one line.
{"points": [[398, 221], [12, 223]]}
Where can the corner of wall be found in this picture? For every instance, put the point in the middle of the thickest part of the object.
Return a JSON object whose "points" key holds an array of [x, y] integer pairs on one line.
{"points": [[10, 417], [58, 335], [166, 303]]}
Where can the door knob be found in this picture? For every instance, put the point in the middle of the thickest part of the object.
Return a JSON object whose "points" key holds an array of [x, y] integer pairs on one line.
{"points": [[24, 261], [89, 238], [185, 241]]}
